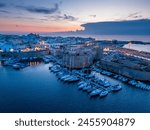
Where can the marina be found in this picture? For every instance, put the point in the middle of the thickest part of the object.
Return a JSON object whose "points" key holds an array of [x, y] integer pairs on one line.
{"points": [[92, 72], [46, 90]]}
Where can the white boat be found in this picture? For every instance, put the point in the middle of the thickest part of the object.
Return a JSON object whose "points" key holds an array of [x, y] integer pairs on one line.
{"points": [[71, 79], [116, 87], [46, 61], [133, 82], [103, 93], [143, 86], [90, 89], [123, 79], [95, 92], [81, 82], [82, 85], [104, 82], [106, 73], [116, 76], [16, 66], [87, 87], [65, 77]]}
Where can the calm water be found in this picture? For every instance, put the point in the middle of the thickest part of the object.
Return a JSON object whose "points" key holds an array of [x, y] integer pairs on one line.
{"points": [[144, 38], [36, 89], [139, 47]]}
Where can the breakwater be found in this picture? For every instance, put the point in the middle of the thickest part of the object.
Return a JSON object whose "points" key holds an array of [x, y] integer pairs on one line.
{"points": [[125, 71]]}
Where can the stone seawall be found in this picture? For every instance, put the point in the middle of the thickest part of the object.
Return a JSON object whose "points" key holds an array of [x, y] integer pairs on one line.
{"points": [[125, 71]]}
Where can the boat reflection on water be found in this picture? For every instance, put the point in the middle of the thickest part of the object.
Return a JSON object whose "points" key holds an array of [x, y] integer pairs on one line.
{"points": [[34, 63]]}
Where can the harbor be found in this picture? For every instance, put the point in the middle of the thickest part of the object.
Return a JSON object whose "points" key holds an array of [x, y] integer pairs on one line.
{"points": [[72, 60], [39, 90], [86, 71]]}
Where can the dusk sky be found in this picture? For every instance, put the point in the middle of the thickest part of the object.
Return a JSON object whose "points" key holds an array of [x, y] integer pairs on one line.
{"points": [[66, 15]]}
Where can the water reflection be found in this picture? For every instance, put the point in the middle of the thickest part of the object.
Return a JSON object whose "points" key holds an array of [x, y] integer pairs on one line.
{"points": [[34, 63], [36, 89]]}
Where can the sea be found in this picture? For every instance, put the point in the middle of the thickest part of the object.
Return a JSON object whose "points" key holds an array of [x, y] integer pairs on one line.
{"points": [[144, 38], [37, 90]]}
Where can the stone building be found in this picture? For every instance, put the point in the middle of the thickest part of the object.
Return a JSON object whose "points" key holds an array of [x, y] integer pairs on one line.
{"points": [[78, 56]]}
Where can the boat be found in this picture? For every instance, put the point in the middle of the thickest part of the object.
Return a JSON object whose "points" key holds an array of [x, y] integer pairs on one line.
{"points": [[90, 89], [139, 84], [55, 68], [74, 79], [123, 79], [143, 86], [116, 76], [82, 85], [106, 73], [104, 82], [22, 66], [16, 66], [81, 82], [95, 92], [103, 93], [71, 78], [87, 87], [133, 82], [116, 87], [46, 61], [65, 77], [60, 75]]}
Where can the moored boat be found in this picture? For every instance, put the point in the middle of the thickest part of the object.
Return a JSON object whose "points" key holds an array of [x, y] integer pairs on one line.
{"points": [[103, 93], [95, 92], [116, 87], [16, 67]]}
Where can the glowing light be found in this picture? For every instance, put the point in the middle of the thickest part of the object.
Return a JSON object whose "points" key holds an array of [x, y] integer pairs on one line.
{"points": [[11, 50]]}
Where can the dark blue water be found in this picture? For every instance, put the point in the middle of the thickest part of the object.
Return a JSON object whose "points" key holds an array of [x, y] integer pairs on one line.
{"points": [[36, 89]]}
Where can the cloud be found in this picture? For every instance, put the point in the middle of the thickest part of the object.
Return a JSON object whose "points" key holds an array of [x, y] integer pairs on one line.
{"points": [[63, 17], [4, 11], [127, 27], [69, 17], [93, 16], [2, 5], [135, 15], [41, 10], [30, 18]]}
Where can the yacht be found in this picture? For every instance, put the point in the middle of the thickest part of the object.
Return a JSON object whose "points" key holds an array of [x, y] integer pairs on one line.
{"points": [[71, 78], [103, 93], [116, 87], [81, 82], [90, 89], [133, 82], [104, 82], [82, 85], [16, 66], [87, 87], [65, 77], [142, 86], [95, 92], [123, 79]]}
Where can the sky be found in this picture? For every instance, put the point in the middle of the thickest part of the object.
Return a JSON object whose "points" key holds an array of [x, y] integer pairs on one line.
{"points": [[66, 15]]}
